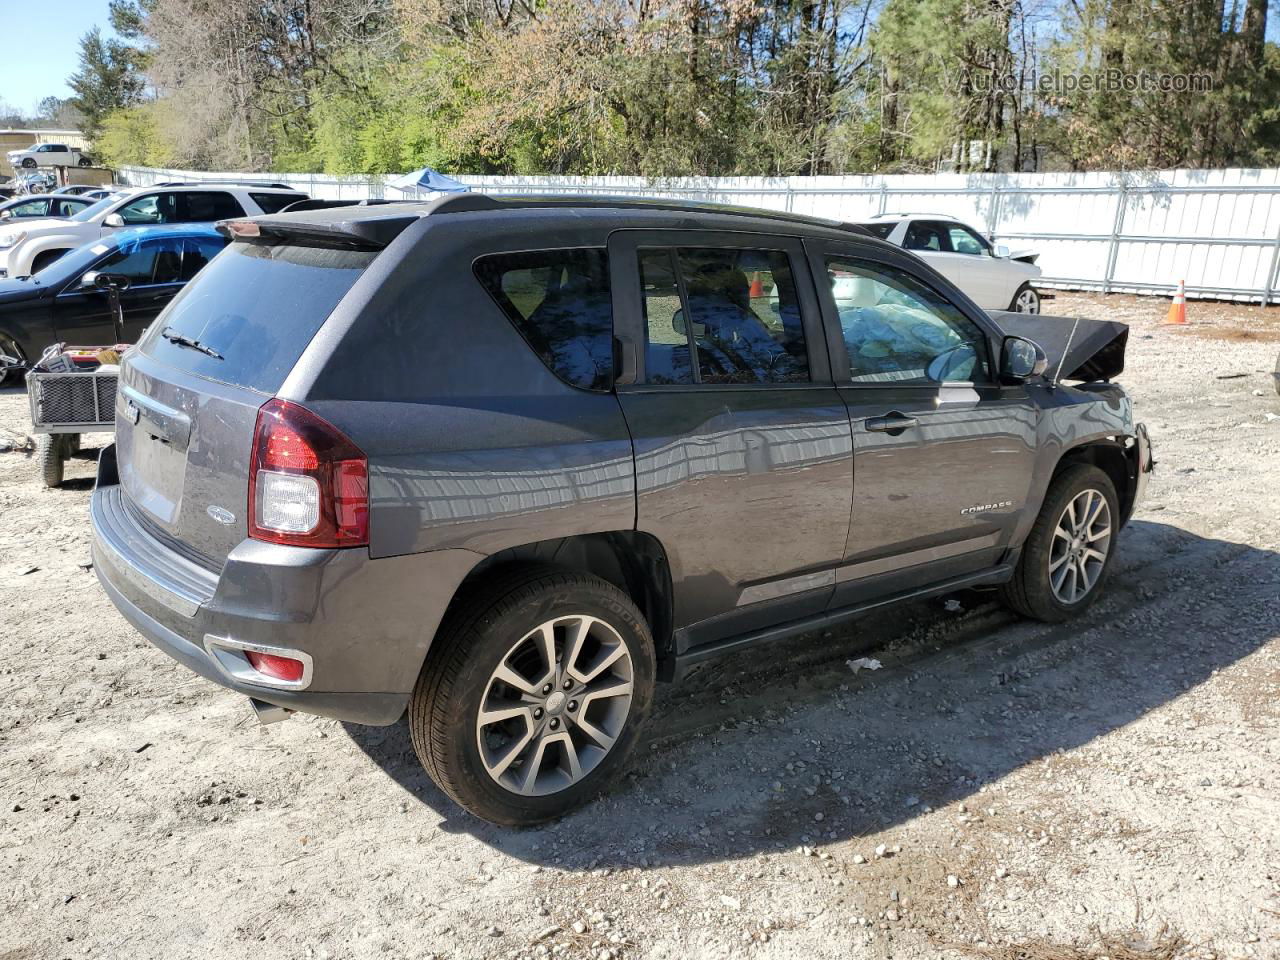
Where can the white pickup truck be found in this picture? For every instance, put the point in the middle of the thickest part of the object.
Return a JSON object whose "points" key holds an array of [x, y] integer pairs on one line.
{"points": [[48, 155]]}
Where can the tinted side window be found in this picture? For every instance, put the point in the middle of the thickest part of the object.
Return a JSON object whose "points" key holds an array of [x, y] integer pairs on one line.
{"points": [[736, 310], [275, 202], [32, 208], [559, 301], [897, 329], [214, 205], [137, 261], [926, 235], [197, 252]]}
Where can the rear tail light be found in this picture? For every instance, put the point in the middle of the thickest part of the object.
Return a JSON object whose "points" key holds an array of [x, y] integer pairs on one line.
{"points": [[278, 668], [308, 484]]}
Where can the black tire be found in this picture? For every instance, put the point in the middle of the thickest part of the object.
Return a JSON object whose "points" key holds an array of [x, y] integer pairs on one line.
{"points": [[1030, 592], [44, 258], [29, 163], [52, 456], [1033, 297], [474, 639], [84, 162]]}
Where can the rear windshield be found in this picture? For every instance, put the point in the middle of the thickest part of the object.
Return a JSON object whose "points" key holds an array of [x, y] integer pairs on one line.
{"points": [[257, 307]]}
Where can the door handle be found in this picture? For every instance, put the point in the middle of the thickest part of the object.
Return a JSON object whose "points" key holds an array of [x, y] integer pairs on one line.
{"points": [[891, 423]]}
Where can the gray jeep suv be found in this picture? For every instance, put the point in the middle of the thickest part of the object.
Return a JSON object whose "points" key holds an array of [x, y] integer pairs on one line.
{"points": [[505, 463]]}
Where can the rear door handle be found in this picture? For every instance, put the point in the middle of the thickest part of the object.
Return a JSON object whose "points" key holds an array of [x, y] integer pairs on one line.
{"points": [[892, 423]]}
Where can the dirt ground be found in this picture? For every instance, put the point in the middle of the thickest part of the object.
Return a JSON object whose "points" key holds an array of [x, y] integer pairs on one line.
{"points": [[1003, 789]]}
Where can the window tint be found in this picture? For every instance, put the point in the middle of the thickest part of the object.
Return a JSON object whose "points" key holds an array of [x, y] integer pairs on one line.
{"points": [[667, 349], [136, 261], [213, 205], [925, 235], [150, 208], [881, 230], [897, 329], [275, 202], [258, 306], [559, 301], [198, 251], [736, 310], [65, 208], [964, 240]]}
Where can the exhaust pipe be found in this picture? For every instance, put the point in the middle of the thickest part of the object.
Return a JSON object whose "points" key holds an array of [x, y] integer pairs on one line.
{"points": [[268, 712]]}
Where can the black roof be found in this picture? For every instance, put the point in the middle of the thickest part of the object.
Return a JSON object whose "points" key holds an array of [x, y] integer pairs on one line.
{"points": [[378, 224]]}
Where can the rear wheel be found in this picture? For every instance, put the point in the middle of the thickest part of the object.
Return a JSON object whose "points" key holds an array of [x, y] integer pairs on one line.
{"points": [[1067, 555], [51, 454], [533, 695], [1026, 300]]}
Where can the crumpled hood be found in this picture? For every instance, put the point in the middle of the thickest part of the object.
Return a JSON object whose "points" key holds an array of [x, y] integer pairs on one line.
{"points": [[1077, 348]]}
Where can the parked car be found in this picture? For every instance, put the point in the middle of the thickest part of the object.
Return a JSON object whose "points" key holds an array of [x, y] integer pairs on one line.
{"points": [[28, 248], [48, 155], [64, 303], [80, 189], [43, 205], [992, 278], [600, 451]]}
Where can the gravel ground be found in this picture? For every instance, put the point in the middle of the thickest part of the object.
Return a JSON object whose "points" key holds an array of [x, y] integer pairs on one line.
{"points": [[998, 789]]}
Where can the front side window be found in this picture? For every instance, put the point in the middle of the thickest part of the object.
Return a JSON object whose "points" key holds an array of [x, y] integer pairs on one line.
{"points": [[559, 300], [32, 208], [722, 315], [150, 208], [896, 329], [150, 262], [964, 240]]}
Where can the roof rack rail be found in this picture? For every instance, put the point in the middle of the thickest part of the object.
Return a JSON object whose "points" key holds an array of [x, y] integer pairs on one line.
{"points": [[223, 180]]}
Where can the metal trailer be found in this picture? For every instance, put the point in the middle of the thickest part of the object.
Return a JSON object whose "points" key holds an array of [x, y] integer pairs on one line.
{"points": [[65, 405]]}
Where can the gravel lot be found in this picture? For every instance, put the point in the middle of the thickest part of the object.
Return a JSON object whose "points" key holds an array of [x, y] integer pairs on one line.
{"points": [[999, 789]]}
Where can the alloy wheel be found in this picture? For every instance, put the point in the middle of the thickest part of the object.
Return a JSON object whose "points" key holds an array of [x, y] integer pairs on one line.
{"points": [[1028, 301], [555, 705], [1081, 542]]}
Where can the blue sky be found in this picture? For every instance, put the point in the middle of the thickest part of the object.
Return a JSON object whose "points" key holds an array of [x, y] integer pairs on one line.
{"points": [[43, 51]]}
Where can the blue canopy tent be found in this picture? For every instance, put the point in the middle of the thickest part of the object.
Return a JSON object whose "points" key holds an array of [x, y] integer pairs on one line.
{"points": [[428, 179]]}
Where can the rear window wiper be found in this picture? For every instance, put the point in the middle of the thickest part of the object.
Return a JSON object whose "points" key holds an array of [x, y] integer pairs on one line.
{"points": [[173, 336]]}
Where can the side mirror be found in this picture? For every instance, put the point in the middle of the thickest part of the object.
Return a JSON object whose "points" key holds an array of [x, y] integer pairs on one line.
{"points": [[114, 220], [107, 281], [1002, 250], [1021, 359]]}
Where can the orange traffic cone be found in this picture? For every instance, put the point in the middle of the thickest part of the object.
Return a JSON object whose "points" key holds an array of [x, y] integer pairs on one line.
{"points": [[1178, 309], [757, 288]]}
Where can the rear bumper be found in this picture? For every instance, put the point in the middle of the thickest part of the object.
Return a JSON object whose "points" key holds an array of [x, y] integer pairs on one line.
{"points": [[365, 624]]}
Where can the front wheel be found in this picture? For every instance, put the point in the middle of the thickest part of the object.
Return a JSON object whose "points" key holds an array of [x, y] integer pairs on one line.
{"points": [[1067, 555], [51, 454], [29, 163], [1026, 300], [533, 695], [85, 162]]}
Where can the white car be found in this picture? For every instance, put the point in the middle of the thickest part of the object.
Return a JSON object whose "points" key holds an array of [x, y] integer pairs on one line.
{"points": [[990, 276], [48, 155], [30, 247]]}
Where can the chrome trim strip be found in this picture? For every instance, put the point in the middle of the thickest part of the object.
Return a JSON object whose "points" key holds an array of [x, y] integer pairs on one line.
{"points": [[229, 656], [899, 561], [774, 589]]}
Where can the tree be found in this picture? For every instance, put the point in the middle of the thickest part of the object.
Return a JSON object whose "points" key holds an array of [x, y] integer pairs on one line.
{"points": [[107, 80]]}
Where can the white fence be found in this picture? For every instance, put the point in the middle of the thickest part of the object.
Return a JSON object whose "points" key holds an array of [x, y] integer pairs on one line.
{"points": [[1219, 230]]}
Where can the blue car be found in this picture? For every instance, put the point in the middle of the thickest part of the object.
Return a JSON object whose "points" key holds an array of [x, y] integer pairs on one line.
{"points": [[63, 303]]}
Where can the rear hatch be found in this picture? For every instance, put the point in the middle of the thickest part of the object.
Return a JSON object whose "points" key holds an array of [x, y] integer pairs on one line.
{"points": [[190, 394]]}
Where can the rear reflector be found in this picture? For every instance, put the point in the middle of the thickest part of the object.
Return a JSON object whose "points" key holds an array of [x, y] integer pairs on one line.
{"points": [[278, 668], [308, 484]]}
